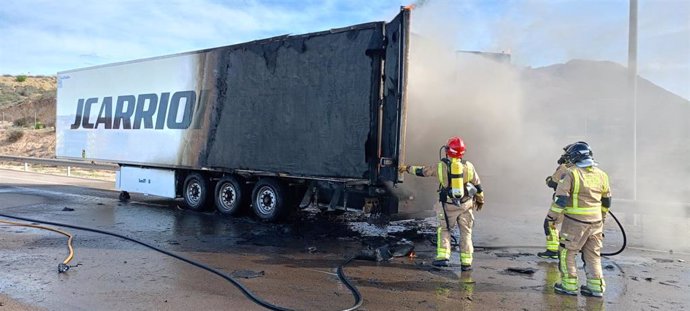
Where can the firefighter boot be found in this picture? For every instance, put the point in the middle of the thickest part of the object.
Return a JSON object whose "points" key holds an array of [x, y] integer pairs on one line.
{"points": [[548, 254], [594, 288], [558, 288], [465, 267], [440, 263], [584, 290]]}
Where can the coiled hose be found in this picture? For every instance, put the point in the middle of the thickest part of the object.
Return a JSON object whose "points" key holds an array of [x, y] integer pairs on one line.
{"points": [[253, 297]]}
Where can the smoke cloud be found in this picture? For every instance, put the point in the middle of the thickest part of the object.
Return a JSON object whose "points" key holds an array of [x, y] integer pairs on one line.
{"points": [[516, 120]]}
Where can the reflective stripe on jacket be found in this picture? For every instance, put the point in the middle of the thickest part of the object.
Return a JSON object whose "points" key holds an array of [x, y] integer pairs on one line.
{"points": [[584, 188]]}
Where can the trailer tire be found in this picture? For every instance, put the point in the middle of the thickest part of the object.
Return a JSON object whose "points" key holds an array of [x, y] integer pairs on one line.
{"points": [[195, 192], [269, 200], [229, 196]]}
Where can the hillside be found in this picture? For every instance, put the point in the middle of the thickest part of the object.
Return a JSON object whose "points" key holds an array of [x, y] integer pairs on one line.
{"points": [[29, 101], [22, 104], [32, 143], [13, 92], [590, 100]]}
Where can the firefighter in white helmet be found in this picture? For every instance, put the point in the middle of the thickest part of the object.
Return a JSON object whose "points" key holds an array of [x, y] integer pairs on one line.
{"points": [[551, 222], [583, 196], [460, 192]]}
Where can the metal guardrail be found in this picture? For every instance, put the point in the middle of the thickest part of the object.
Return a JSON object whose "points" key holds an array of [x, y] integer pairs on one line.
{"points": [[57, 162]]}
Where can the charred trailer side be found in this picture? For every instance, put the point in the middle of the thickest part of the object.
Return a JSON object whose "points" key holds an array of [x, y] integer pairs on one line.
{"points": [[275, 123]]}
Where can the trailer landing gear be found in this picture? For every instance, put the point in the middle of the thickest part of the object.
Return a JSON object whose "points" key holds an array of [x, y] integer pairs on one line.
{"points": [[124, 196]]}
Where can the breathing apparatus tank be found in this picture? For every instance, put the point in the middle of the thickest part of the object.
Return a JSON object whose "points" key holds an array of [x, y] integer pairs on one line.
{"points": [[450, 170], [456, 179]]}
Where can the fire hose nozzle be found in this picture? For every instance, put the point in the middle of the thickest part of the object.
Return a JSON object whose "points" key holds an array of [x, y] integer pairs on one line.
{"points": [[62, 268]]}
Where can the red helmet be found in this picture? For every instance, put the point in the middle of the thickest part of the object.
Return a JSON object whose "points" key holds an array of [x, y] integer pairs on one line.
{"points": [[455, 147]]}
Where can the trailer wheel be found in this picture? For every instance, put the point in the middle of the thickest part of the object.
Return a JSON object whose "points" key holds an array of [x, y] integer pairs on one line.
{"points": [[269, 200], [228, 196], [195, 191]]}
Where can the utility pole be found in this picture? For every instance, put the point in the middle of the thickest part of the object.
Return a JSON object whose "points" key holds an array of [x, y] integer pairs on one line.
{"points": [[632, 83]]}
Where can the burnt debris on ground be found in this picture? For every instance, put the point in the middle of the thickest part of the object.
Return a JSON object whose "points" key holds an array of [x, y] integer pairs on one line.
{"points": [[514, 270]]}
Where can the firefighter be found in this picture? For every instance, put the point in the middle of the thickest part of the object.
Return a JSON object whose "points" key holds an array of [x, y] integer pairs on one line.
{"points": [[583, 196], [551, 224], [460, 192]]}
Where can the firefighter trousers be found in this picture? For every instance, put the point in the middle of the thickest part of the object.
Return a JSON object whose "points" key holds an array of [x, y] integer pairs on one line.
{"points": [[448, 218], [588, 239], [551, 231]]}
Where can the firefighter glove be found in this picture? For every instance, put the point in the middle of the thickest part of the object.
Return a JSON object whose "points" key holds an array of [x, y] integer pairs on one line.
{"points": [[403, 168], [479, 197], [478, 206], [551, 183], [479, 201]]}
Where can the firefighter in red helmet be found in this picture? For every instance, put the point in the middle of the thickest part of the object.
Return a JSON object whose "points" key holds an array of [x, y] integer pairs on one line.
{"points": [[460, 193]]}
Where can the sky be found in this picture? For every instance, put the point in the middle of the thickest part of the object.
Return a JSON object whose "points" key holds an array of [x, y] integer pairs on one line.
{"points": [[43, 37]]}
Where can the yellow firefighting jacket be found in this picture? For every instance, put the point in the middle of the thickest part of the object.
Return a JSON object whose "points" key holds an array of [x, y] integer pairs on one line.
{"points": [[584, 188], [469, 175], [560, 172]]}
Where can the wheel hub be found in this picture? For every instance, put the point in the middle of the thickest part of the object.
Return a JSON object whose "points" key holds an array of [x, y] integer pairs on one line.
{"points": [[194, 193], [266, 201], [228, 195]]}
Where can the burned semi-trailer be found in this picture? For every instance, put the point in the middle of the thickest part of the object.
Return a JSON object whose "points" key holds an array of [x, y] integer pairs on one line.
{"points": [[276, 123]]}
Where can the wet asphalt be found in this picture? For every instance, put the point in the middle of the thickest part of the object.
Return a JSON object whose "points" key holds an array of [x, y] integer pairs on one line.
{"points": [[290, 264]]}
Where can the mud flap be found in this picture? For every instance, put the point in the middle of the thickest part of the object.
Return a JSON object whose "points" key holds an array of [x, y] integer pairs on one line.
{"points": [[309, 196]]}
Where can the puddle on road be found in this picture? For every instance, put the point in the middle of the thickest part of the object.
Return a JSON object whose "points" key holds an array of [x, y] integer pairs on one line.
{"points": [[316, 237]]}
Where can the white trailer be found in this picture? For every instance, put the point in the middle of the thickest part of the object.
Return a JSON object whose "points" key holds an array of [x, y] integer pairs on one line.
{"points": [[309, 119]]}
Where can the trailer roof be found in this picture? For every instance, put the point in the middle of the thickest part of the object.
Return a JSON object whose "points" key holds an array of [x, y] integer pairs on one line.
{"points": [[234, 46]]}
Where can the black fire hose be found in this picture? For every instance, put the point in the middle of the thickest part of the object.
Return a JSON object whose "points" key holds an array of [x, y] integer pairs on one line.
{"points": [[245, 291], [625, 238], [454, 241], [353, 289]]}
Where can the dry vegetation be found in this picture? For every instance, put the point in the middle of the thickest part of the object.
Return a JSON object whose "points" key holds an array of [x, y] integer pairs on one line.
{"points": [[30, 103], [39, 82], [27, 142], [26, 108], [27, 127]]}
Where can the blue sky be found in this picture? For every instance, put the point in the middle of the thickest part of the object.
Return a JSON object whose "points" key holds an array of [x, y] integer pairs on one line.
{"points": [[44, 37]]}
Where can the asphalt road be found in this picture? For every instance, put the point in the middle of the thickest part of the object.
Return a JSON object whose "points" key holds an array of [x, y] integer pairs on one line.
{"points": [[292, 265]]}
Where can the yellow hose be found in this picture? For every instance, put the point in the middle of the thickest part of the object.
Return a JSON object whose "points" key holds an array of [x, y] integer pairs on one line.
{"points": [[67, 234]]}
